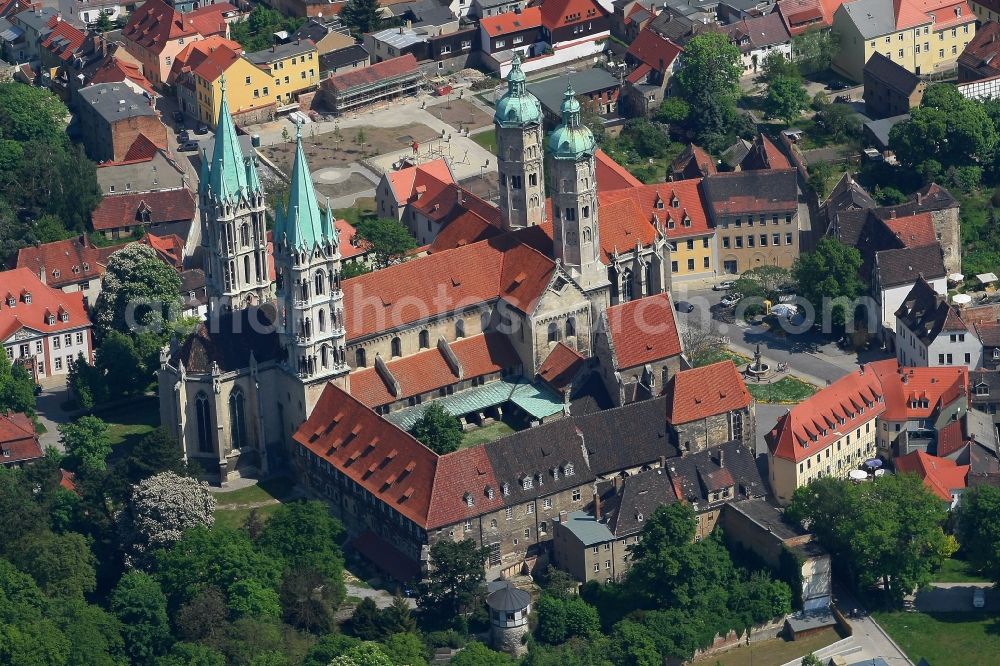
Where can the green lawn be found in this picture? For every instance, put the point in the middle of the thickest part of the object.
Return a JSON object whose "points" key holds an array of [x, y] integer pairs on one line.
{"points": [[487, 140], [945, 639], [720, 354], [785, 390], [363, 207], [130, 423], [234, 518], [772, 652], [486, 434], [958, 571], [277, 488]]}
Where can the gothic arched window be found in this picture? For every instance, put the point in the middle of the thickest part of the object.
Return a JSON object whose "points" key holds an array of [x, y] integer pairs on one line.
{"points": [[320, 282], [460, 328], [571, 327], [203, 419], [627, 287], [237, 419], [322, 320], [397, 347], [246, 269], [425, 339], [553, 332], [245, 234], [359, 358]]}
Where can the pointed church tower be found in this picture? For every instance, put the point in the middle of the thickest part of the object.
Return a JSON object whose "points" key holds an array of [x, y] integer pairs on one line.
{"points": [[307, 260], [520, 153], [233, 231], [576, 232]]}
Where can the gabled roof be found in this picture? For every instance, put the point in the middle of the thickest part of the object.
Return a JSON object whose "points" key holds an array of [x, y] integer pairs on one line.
{"points": [[926, 314], [210, 19], [891, 75], [904, 265], [64, 262], [18, 441], [511, 22], [730, 465], [693, 162], [940, 475], [918, 393], [116, 70], [764, 155], [559, 13], [759, 32], [622, 227], [431, 369], [240, 335], [22, 285], [816, 422], [848, 194], [610, 175], [170, 248], [63, 38], [759, 191], [803, 15], [414, 182], [192, 56], [653, 49], [639, 496], [642, 331], [676, 207], [387, 69], [154, 24], [125, 210], [561, 366], [698, 393], [980, 54]]}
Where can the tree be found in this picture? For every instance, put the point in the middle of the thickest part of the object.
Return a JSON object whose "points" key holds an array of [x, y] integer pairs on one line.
{"points": [[256, 33], [786, 98], [389, 239], [702, 345], [398, 617], [811, 660], [648, 139], [87, 383], [438, 430], [365, 621], [710, 83], [88, 443], [61, 564], [139, 291], [839, 121], [120, 366], [887, 531], [139, 604], [192, 654], [95, 634], [155, 453], [562, 619], [309, 599], [362, 16], [764, 282], [829, 277], [979, 529], [813, 51], [477, 654], [28, 113], [104, 23], [250, 598], [455, 581], [158, 511], [673, 110], [777, 66], [203, 617], [304, 534], [17, 390], [405, 648]]}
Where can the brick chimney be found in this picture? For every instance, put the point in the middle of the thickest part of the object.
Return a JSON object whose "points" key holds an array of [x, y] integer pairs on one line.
{"points": [[597, 506]]}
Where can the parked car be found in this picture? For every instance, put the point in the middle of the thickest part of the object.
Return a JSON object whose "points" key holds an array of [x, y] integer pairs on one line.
{"points": [[683, 306], [837, 84], [730, 300], [785, 310], [978, 598], [183, 137], [178, 117], [725, 285], [202, 129], [842, 99], [188, 146]]}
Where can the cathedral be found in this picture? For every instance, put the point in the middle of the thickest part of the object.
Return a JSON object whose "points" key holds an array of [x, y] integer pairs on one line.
{"points": [[452, 324]]}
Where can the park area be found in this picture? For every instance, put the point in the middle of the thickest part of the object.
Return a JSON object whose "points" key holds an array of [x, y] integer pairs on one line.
{"points": [[770, 652], [461, 114], [945, 639], [264, 497]]}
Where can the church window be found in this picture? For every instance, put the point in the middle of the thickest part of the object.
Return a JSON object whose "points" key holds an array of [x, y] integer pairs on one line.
{"points": [[245, 234], [320, 282], [322, 320], [460, 328], [586, 232], [533, 179], [425, 339], [553, 332], [571, 327], [484, 321], [324, 355], [256, 267], [515, 182], [359, 358], [586, 212], [570, 214], [203, 418], [237, 419], [397, 347], [246, 269], [647, 269], [627, 290]]}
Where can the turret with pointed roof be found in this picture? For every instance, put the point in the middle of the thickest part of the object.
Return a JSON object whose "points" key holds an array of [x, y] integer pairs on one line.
{"points": [[307, 260], [520, 153], [233, 232]]}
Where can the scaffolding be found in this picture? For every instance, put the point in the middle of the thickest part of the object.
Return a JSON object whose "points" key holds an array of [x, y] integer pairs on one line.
{"points": [[354, 97]]}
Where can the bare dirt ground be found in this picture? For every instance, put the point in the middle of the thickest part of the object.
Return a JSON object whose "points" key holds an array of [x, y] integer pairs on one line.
{"points": [[333, 150], [460, 113]]}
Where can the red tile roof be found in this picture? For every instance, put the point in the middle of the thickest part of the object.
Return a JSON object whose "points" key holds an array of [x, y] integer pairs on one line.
{"points": [[698, 393], [765, 155], [611, 175], [435, 284], [116, 70], [465, 229], [429, 370], [643, 331], [509, 22], [913, 230], [906, 389], [654, 49], [11, 7], [677, 208], [18, 441], [431, 490], [940, 475], [693, 162], [64, 262], [210, 66], [169, 247], [560, 367], [348, 247], [815, 423], [639, 73], [560, 13], [803, 15], [195, 53], [20, 283], [123, 210], [154, 24], [386, 69], [950, 439], [63, 39], [208, 20], [415, 182], [980, 54], [142, 150]]}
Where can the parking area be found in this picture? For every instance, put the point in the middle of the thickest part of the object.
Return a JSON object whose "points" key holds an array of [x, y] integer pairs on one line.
{"points": [[954, 598]]}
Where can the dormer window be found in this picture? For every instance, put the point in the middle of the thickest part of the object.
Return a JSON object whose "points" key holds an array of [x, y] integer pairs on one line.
{"points": [[468, 499], [86, 266], [540, 478], [11, 302], [638, 517], [489, 492], [555, 473], [26, 297], [505, 489], [63, 315], [659, 202], [982, 389], [50, 319], [527, 482], [568, 469], [687, 221], [76, 270], [675, 202]]}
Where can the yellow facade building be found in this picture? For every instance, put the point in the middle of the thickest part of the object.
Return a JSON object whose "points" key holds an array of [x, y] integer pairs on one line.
{"points": [[294, 68], [926, 38]]}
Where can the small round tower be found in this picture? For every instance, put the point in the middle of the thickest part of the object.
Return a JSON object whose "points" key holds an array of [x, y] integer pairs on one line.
{"points": [[509, 609]]}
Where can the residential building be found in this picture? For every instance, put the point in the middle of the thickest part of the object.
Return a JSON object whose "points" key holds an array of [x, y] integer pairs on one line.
{"points": [[43, 327], [328, 34], [571, 21], [343, 60], [379, 82], [693, 162], [985, 10], [979, 59], [638, 348], [890, 89], [598, 86], [709, 406], [194, 292], [206, 60], [511, 31], [984, 392], [22, 40], [630, 17], [653, 59], [679, 27], [757, 38], [485, 8], [156, 33], [18, 440], [756, 218], [145, 168], [923, 37], [293, 66], [164, 211], [894, 274], [112, 116], [802, 16], [930, 332], [943, 477], [250, 89], [309, 8], [57, 51], [87, 12], [72, 265]]}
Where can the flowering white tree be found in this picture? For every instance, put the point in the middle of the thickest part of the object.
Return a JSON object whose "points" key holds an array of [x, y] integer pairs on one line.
{"points": [[158, 511], [138, 290]]}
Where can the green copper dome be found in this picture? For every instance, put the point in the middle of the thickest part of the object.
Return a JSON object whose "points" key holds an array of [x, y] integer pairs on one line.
{"points": [[572, 139], [517, 107]]}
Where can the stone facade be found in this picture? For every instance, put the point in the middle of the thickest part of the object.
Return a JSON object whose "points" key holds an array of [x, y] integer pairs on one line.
{"points": [[739, 425]]}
